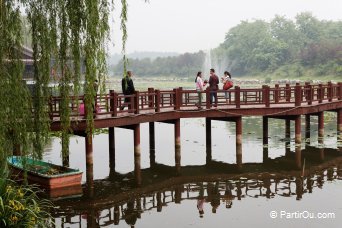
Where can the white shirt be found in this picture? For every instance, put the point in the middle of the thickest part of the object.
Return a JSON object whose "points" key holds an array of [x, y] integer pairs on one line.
{"points": [[199, 83]]}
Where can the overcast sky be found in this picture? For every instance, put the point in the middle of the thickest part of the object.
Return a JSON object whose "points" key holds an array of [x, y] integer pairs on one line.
{"points": [[193, 25]]}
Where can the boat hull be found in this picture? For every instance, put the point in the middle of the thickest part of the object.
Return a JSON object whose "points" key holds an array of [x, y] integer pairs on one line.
{"points": [[65, 184]]}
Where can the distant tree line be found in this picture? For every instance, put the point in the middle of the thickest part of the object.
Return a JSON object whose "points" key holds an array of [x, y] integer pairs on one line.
{"points": [[283, 47], [181, 65]]}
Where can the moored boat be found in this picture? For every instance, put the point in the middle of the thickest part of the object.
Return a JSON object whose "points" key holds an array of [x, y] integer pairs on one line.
{"points": [[57, 180]]}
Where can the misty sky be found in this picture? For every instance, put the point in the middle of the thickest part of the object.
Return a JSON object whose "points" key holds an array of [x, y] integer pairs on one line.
{"points": [[193, 25]]}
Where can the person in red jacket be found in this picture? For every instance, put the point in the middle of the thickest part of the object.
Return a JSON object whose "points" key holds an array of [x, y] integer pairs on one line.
{"points": [[213, 86]]}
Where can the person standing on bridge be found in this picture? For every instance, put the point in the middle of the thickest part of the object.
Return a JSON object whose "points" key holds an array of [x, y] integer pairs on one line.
{"points": [[199, 88], [127, 89], [213, 86]]}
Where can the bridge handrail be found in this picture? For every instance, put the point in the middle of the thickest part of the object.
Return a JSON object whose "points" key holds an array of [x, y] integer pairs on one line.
{"points": [[155, 100]]}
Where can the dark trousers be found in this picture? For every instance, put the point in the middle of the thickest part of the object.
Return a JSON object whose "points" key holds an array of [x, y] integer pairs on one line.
{"points": [[127, 102], [213, 96]]}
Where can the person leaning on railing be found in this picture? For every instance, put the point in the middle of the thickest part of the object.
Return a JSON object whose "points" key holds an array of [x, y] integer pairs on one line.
{"points": [[127, 89]]}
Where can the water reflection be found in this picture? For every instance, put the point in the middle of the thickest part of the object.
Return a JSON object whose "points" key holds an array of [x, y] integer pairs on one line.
{"points": [[222, 194]]}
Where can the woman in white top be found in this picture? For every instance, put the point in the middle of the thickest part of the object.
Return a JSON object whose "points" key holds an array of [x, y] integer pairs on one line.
{"points": [[199, 88]]}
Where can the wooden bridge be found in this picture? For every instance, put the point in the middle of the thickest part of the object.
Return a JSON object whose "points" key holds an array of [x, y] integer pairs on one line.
{"points": [[169, 106]]}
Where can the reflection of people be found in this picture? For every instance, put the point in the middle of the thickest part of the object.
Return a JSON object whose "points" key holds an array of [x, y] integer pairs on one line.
{"points": [[200, 201], [130, 214], [215, 197], [127, 88], [299, 188], [228, 196], [213, 85]]}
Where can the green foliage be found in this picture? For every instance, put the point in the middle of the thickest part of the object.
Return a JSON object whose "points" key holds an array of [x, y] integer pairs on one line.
{"points": [[283, 46], [21, 207]]}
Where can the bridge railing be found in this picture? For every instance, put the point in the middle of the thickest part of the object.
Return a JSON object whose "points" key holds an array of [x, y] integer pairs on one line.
{"points": [[117, 104]]}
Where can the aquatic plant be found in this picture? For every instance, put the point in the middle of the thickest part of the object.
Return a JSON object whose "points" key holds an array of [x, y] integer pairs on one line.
{"points": [[21, 207]]}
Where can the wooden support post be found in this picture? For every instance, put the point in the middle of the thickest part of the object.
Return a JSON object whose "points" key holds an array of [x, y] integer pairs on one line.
{"points": [[116, 215], [265, 130], [152, 144], [298, 140], [321, 124], [157, 100], [310, 94], [111, 140], [298, 133], [137, 154], [208, 139], [136, 102], [298, 95], [238, 131], [276, 94], [288, 92], [339, 120], [89, 164], [330, 91], [339, 95], [267, 96], [177, 146], [16, 150], [237, 96], [339, 129], [287, 136], [207, 98], [320, 93], [307, 129], [265, 137]]}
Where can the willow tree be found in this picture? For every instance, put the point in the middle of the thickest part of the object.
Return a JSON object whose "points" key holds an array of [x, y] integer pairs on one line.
{"points": [[72, 33]]}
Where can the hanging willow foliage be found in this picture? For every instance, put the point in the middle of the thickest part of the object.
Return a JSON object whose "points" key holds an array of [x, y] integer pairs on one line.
{"points": [[15, 102], [67, 36]]}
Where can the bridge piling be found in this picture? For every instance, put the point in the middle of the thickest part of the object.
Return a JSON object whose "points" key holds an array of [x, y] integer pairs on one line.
{"points": [[239, 141], [137, 154], [89, 164], [265, 137], [287, 136], [177, 146], [152, 144], [307, 129], [298, 141], [321, 124], [339, 120], [208, 139], [111, 139]]}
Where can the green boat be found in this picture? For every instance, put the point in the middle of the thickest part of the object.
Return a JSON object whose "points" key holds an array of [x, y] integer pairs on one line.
{"points": [[57, 180]]}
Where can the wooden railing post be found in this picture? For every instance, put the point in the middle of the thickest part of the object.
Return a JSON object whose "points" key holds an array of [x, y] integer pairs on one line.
{"points": [[310, 94], [276, 94], [207, 96], [174, 99], [136, 102], [150, 97], [288, 92], [267, 95], [320, 93], [298, 94], [237, 96], [340, 91], [330, 91], [112, 103], [157, 100], [179, 97]]}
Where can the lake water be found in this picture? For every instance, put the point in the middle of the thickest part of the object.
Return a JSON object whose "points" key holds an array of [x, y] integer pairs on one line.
{"points": [[216, 194]]}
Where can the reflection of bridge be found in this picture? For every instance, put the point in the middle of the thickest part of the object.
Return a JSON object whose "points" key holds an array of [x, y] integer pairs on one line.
{"points": [[288, 103], [219, 191]]}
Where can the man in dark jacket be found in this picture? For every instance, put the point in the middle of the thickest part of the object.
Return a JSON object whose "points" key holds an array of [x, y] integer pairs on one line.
{"points": [[213, 86], [127, 89]]}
